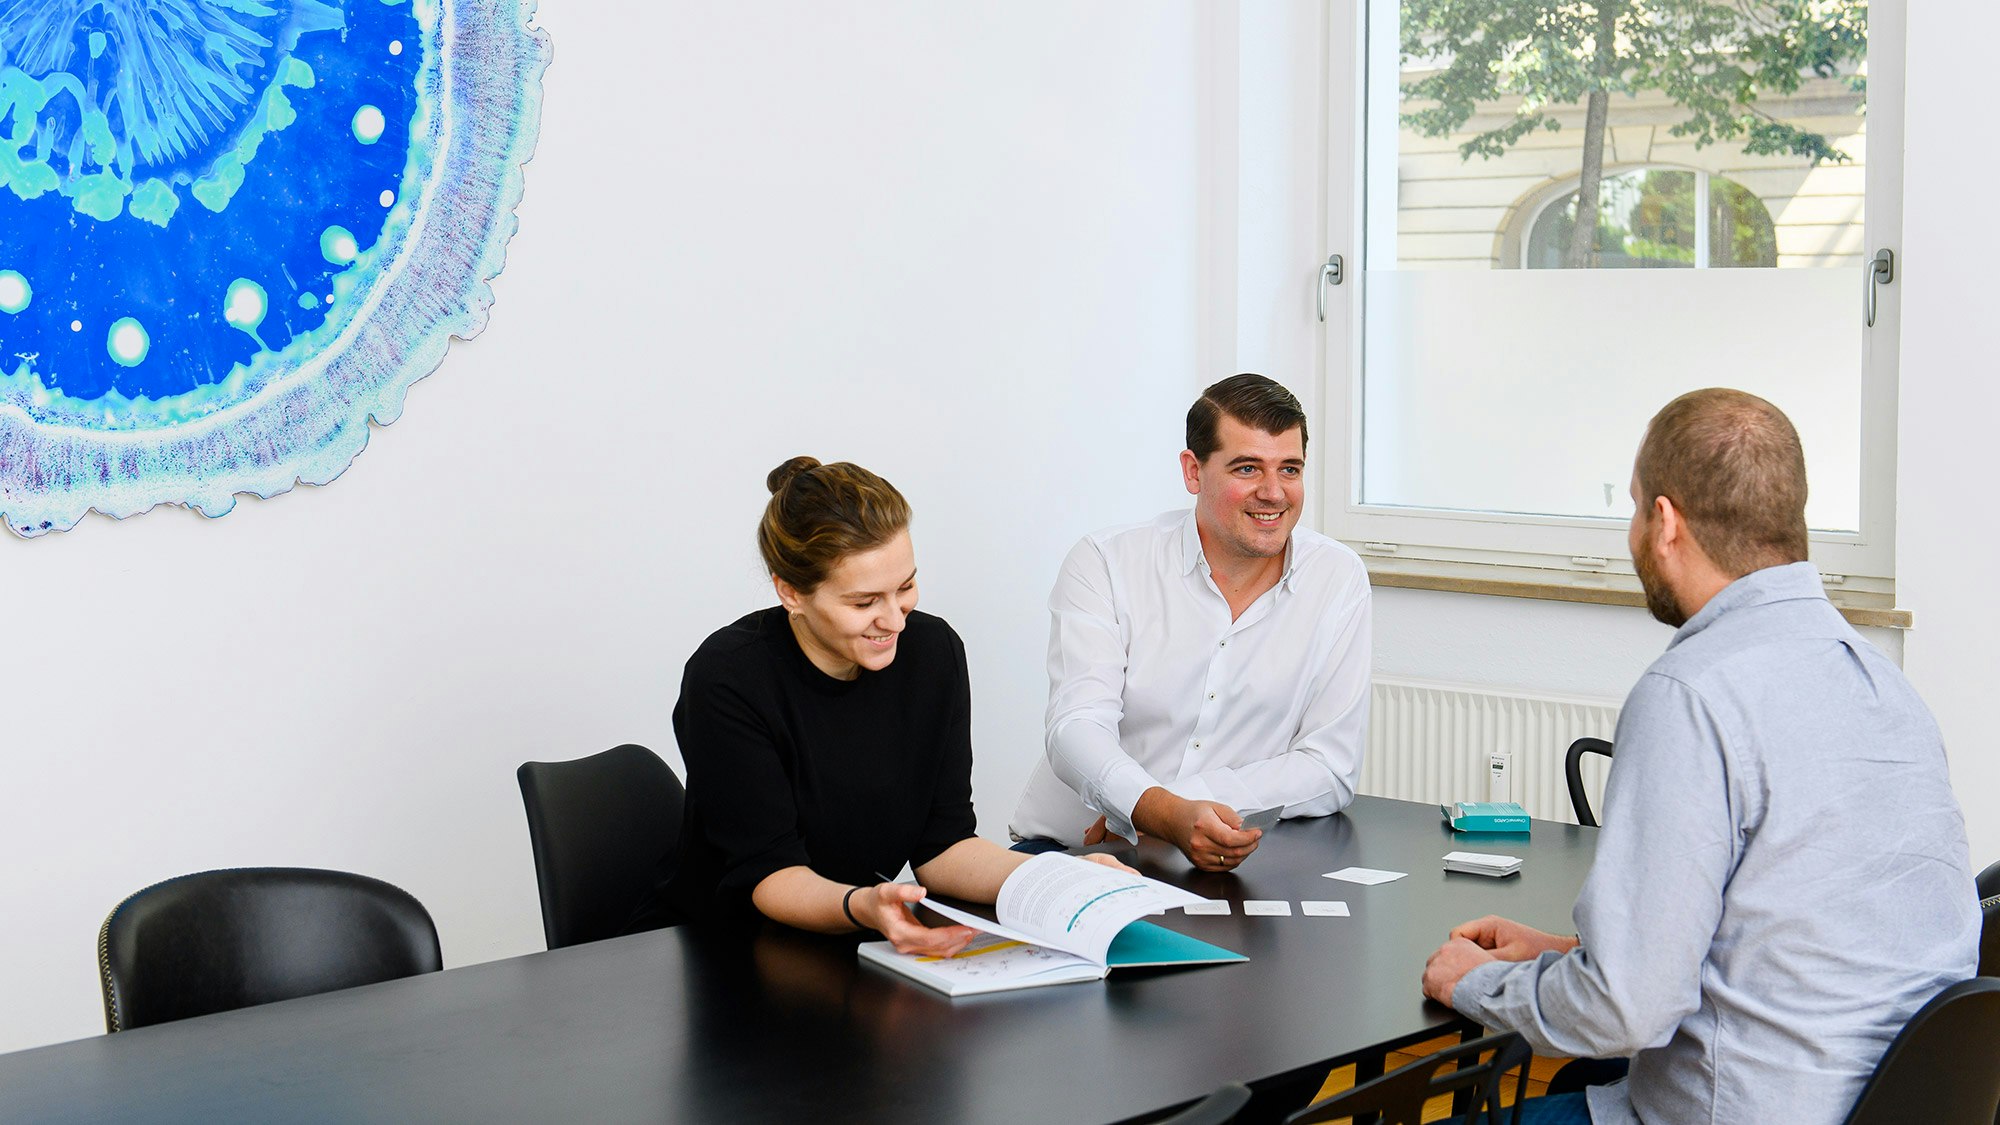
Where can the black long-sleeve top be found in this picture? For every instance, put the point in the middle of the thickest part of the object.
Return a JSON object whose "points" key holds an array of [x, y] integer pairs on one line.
{"points": [[787, 766]]}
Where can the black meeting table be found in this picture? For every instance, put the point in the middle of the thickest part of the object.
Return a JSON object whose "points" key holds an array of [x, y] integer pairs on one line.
{"points": [[684, 1025]]}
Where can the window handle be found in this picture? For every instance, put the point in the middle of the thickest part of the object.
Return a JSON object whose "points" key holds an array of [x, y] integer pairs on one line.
{"points": [[1331, 274], [1881, 271]]}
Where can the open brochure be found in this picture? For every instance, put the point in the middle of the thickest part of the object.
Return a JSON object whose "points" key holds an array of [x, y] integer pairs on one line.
{"points": [[1062, 920]]}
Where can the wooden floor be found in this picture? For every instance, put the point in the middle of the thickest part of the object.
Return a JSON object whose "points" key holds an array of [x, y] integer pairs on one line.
{"points": [[1439, 1108]]}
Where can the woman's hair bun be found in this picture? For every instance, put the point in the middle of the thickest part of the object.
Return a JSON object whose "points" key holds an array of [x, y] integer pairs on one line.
{"points": [[783, 474], [809, 525]]}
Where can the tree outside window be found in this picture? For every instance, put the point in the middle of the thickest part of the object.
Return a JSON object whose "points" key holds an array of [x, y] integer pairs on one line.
{"points": [[1503, 103]]}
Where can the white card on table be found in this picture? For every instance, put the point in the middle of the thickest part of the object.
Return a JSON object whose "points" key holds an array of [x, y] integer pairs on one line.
{"points": [[1212, 906], [1273, 908], [1319, 909], [1484, 859], [1366, 876]]}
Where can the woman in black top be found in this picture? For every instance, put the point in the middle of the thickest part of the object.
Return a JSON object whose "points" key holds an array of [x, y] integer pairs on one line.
{"points": [[828, 739]]}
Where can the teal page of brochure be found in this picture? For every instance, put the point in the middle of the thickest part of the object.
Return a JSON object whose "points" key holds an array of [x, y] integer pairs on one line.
{"points": [[1143, 943]]}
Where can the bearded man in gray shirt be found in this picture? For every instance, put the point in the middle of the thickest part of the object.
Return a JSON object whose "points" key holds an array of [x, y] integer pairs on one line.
{"points": [[1782, 877]]}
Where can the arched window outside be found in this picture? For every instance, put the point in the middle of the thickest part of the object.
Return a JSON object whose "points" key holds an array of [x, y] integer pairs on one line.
{"points": [[1659, 218]]}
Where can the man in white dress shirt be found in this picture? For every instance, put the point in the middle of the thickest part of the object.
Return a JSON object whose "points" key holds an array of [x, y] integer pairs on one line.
{"points": [[1208, 662]]}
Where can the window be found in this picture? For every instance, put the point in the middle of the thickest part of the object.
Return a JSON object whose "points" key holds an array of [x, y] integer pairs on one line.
{"points": [[1494, 358], [1658, 218]]}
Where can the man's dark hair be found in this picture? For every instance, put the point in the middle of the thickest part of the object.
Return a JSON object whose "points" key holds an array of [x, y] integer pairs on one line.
{"points": [[1250, 399], [1732, 464]]}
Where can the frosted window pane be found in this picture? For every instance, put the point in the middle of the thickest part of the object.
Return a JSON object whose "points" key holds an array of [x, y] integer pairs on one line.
{"points": [[1527, 391]]}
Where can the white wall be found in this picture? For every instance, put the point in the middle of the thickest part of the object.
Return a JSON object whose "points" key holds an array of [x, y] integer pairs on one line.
{"points": [[1946, 537], [958, 244]]}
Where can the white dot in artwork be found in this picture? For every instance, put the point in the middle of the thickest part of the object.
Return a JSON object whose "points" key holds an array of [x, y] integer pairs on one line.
{"points": [[15, 292], [76, 326], [368, 124], [127, 341], [395, 46], [336, 245], [388, 198], [244, 304]]}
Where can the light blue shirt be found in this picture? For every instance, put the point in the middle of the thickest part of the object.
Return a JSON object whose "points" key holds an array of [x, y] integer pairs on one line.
{"points": [[1781, 881]]}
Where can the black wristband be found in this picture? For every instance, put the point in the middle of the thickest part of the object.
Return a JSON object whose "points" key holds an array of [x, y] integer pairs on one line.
{"points": [[848, 910]]}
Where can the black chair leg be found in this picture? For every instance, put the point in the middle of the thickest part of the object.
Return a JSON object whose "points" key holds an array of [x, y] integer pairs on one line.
{"points": [[1368, 1070], [1272, 1102]]}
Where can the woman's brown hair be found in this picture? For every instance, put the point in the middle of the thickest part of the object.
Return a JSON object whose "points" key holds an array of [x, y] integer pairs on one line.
{"points": [[820, 514]]}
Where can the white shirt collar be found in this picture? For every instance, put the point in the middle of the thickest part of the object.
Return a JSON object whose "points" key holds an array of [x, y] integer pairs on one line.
{"points": [[1192, 557]]}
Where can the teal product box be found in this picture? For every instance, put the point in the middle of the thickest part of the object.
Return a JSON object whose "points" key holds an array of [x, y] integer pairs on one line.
{"points": [[1485, 816]]}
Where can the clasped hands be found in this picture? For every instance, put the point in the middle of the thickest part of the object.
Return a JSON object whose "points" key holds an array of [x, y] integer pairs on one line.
{"points": [[885, 908], [1210, 834], [1492, 938]]}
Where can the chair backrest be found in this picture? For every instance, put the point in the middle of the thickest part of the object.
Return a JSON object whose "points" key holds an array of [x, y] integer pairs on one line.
{"points": [[1399, 1095], [601, 827], [1989, 936], [1579, 801], [1944, 1066], [1219, 1108], [1988, 882], [219, 940]]}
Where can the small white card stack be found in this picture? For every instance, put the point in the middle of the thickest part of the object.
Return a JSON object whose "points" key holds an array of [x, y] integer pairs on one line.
{"points": [[1482, 863]]}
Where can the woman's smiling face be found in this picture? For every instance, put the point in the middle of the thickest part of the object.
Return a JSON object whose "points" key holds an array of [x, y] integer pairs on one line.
{"points": [[853, 619]]}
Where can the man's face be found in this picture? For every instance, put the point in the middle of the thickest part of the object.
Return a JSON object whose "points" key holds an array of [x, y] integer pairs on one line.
{"points": [[1660, 599], [1249, 492]]}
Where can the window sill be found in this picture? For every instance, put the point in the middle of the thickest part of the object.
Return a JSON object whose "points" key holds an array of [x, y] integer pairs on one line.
{"points": [[1857, 606]]}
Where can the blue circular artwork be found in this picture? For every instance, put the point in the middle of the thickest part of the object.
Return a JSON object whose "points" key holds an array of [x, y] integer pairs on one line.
{"points": [[234, 231]]}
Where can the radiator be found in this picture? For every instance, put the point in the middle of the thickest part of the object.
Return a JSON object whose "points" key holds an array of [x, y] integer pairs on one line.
{"points": [[1430, 741]]}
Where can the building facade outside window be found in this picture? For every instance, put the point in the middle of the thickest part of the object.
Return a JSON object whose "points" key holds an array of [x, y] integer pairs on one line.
{"points": [[1658, 218]]}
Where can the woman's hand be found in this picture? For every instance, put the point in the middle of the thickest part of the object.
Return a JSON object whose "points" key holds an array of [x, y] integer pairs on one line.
{"points": [[884, 908], [1109, 861]]}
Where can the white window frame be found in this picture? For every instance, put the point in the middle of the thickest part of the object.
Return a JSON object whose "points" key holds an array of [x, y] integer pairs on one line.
{"points": [[1863, 560]]}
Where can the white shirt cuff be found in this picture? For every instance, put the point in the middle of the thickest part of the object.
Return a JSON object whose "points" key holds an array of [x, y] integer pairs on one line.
{"points": [[1119, 793]]}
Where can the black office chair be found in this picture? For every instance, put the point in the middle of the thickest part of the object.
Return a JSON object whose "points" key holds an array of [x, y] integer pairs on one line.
{"points": [[1581, 1074], [1579, 801], [219, 940], [1989, 936], [1988, 881], [1944, 1066], [1219, 1108], [601, 827], [1399, 1095]]}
